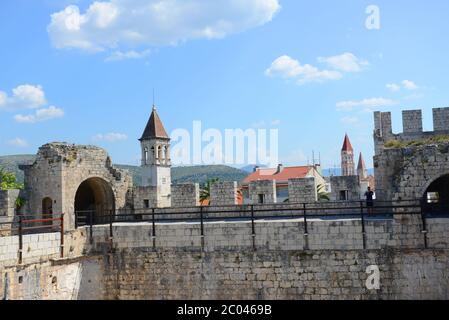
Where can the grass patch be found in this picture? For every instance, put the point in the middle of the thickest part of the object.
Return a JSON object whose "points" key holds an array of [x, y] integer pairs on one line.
{"points": [[395, 144]]}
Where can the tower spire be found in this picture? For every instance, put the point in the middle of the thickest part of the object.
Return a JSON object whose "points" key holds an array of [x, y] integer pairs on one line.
{"points": [[347, 158]]}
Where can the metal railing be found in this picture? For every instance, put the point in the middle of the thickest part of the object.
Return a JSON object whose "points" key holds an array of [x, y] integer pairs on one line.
{"points": [[23, 225], [252, 213]]}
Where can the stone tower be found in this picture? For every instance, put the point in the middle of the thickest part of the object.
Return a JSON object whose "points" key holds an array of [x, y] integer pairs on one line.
{"points": [[361, 168], [347, 158], [156, 163]]}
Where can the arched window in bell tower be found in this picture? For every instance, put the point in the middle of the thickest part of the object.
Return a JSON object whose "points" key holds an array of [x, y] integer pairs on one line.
{"points": [[159, 152], [145, 156], [163, 153]]}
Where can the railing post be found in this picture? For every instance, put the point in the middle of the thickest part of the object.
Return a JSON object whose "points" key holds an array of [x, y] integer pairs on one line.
{"points": [[363, 225], [424, 224], [111, 231], [20, 239], [91, 223], [253, 228], [62, 235], [202, 227], [153, 236], [306, 229]]}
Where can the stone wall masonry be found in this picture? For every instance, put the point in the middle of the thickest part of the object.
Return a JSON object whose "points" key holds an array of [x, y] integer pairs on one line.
{"points": [[42, 247], [36, 247], [7, 210], [273, 275], [59, 170], [412, 121], [78, 279], [143, 194], [275, 235], [185, 195], [350, 184], [407, 173], [440, 119], [231, 267], [302, 190], [143, 274], [8, 202], [266, 188], [223, 193]]}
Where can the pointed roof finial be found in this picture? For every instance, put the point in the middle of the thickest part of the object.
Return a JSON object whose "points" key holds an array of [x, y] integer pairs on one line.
{"points": [[154, 128], [347, 144], [154, 103]]}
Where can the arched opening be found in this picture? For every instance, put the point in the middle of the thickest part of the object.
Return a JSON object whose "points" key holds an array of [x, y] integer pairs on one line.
{"points": [[94, 198], [47, 210], [146, 156], [436, 197]]}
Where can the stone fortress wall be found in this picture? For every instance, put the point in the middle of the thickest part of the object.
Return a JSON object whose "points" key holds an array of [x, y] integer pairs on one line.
{"points": [[407, 163], [280, 264], [277, 259]]}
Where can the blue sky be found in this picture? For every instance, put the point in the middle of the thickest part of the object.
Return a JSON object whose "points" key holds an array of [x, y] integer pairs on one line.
{"points": [[311, 69]]}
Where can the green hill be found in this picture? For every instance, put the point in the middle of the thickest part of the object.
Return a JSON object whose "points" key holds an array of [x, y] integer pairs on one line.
{"points": [[195, 174]]}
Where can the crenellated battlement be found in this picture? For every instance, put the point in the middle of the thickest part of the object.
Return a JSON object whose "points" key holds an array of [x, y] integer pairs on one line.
{"points": [[412, 123]]}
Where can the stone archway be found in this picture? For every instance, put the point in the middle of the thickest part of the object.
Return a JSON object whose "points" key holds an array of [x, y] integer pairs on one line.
{"points": [[47, 210], [94, 197], [436, 196]]}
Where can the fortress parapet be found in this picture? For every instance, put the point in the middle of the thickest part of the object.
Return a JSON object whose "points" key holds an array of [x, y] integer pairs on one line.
{"points": [[412, 123], [412, 164]]}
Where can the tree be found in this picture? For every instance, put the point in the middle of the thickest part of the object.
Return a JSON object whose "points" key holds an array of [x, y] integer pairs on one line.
{"points": [[205, 191], [322, 195], [8, 180]]}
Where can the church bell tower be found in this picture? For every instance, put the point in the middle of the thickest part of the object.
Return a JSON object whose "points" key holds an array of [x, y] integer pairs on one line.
{"points": [[156, 162]]}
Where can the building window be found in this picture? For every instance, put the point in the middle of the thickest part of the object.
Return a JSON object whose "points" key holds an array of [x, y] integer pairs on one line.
{"points": [[344, 195], [146, 204], [261, 198], [146, 156], [164, 180]]}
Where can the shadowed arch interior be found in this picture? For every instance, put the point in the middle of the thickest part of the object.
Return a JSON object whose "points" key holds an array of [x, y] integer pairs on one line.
{"points": [[436, 196], [94, 196]]}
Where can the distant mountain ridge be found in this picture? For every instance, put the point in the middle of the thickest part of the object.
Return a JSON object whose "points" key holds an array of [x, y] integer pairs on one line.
{"points": [[194, 174]]}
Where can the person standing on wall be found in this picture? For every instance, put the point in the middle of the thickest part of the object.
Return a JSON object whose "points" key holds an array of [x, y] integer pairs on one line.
{"points": [[369, 196]]}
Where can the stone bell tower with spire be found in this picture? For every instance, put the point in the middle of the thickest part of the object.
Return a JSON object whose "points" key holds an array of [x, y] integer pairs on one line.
{"points": [[347, 158], [156, 162]]}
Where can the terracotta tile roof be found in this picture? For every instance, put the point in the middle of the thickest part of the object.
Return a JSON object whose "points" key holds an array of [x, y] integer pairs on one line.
{"points": [[286, 174], [347, 144], [154, 128]]}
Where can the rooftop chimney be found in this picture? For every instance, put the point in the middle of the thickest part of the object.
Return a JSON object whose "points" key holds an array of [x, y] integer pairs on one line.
{"points": [[280, 168]]}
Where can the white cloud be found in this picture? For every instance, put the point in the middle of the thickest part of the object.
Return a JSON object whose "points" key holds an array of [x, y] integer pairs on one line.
{"points": [[406, 84], [368, 104], [40, 115], [346, 62], [409, 85], [132, 23], [23, 96], [349, 120], [289, 68], [119, 55], [276, 122], [18, 142], [110, 137], [393, 87]]}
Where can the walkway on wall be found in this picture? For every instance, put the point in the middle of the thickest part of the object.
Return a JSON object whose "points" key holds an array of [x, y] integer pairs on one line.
{"points": [[304, 213]]}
